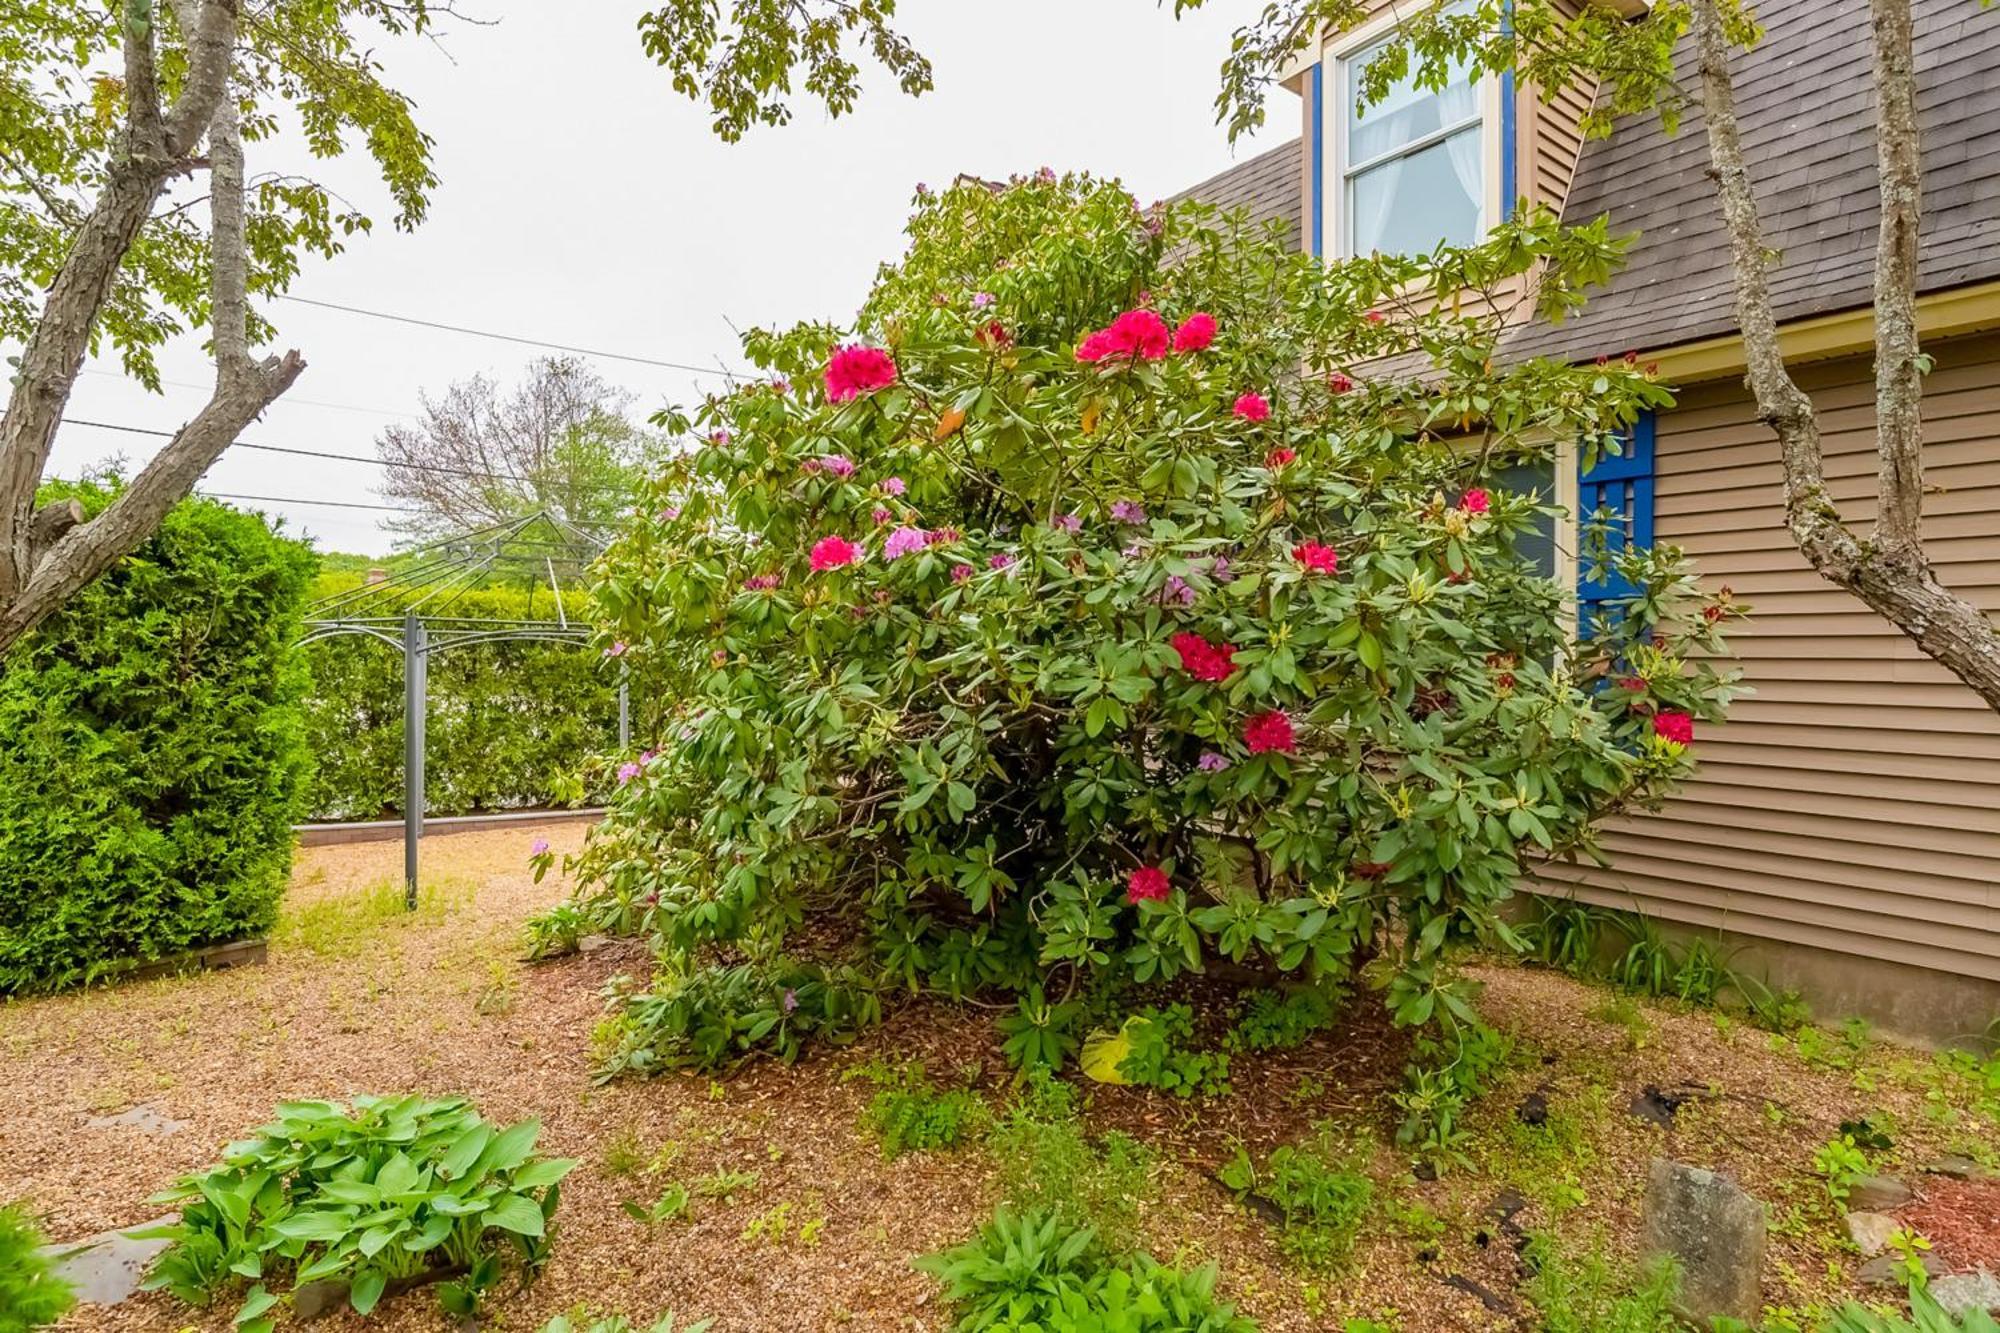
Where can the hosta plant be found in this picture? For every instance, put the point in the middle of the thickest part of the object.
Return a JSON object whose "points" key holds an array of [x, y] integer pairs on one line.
{"points": [[1127, 592], [31, 1294], [389, 1190]]}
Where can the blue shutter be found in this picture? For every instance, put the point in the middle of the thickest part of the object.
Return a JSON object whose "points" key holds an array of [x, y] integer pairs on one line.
{"points": [[1622, 486]]}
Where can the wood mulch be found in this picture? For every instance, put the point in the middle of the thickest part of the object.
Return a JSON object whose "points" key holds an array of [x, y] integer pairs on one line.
{"points": [[439, 1003], [1960, 1218]]}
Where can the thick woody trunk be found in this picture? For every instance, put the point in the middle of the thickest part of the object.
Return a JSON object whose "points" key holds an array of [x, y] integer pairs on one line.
{"points": [[1890, 572], [46, 555]]}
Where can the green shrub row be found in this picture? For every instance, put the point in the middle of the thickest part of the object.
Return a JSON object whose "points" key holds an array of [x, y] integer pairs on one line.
{"points": [[152, 751], [510, 724]]}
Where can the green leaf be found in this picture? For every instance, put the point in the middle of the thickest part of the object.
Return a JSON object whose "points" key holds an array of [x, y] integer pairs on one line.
{"points": [[516, 1213], [367, 1289]]}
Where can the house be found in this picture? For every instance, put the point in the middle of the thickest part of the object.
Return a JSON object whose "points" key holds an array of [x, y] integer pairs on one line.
{"points": [[1844, 828]]}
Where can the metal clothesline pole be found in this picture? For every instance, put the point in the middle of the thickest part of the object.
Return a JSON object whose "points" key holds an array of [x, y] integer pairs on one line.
{"points": [[416, 680]]}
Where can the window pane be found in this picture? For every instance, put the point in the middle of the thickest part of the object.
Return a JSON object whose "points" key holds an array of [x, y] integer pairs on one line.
{"points": [[1408, 204], [1407, 114], [1539, 479]]}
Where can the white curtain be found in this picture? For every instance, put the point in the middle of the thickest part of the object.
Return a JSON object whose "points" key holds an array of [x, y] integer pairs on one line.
{"points": [[1465, 155], [1372, 205]]}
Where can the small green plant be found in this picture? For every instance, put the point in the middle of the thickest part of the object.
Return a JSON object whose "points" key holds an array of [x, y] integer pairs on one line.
{"points": [[1589, 1292], [672, 1205], [774, 1225], [1926, 1315], [1034, 1271], [1445, 1076], [725, 1185], [1154, 1049], [1840, 1162], [1319, 1192], [387, 1189], [1780, 1011], [31, 1294], [1279, 1020], [908, 1113], [1038, 1034], [1046, 1163], [716, 1017], [556, 932], [618, 1323], [1566, 935]]}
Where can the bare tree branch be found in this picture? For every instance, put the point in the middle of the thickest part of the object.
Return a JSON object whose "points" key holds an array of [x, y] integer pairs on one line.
{"points": [[1892, 575]]}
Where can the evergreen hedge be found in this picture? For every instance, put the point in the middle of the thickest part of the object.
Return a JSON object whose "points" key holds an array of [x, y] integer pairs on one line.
{"points": [[510, 725], [152, 752]]}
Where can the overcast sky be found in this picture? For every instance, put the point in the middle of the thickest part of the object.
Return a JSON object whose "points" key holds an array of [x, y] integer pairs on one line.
{"points": [[583, 202]]}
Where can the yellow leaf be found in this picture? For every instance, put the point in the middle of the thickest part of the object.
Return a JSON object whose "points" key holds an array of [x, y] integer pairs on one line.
{"points": [[1103, 1052], [949, 423], [1092, 410]]}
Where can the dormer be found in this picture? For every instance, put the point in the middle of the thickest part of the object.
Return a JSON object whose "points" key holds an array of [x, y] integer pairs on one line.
{"points": [[1421, 167]]}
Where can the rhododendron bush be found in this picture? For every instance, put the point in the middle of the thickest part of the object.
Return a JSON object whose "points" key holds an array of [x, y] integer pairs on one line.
{"points": [[1122, 594]]}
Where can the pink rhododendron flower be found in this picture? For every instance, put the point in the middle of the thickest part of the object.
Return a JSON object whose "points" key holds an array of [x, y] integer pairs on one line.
{"points": [[1253, 407], [980, 300], [1204, 660], [1135, 335], [1196, 332], [1675, 727], [1277, 458], [1212, 762], [833, 552], [1339, 383], [1147, 884], [1219, 570], [626, 772], [761, 582], [719, 436], [1177, 590], [618, 649], [1374, 317], [960, 573], [838, 465], [903, 541], [1128, 511], [1068, 522], [670, 513], [539, 847], [855, 369], [880, 515], [999, 560], [1269, 732], [893, 486], [1476, 501], [1318, 558]]}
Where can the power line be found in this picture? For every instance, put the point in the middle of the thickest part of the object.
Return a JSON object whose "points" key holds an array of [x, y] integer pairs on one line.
{"points": [[288, 400], [724, 371], [324, 504]]}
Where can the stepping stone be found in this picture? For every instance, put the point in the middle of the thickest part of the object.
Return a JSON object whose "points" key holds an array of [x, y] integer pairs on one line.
{"points": [[1962, 1293], [1878, 1194], [1871, 1231], [1958, 1168], [145, 1119], [106, 1269], [1715, 1231]]}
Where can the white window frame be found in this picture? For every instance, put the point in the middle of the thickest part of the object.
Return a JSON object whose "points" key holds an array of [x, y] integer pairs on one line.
{"points": [[1333, 132]]}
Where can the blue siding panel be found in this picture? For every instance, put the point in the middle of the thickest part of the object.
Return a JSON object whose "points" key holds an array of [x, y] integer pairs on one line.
{"points": [[1622, 485]]}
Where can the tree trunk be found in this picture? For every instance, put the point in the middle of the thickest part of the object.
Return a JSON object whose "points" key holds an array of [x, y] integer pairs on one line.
{"points": [[1890, 572]]}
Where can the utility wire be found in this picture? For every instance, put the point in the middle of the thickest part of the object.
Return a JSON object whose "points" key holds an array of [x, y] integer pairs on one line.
{"points": [[325, 504], [475, 474], [724, 371], [288, 400]]}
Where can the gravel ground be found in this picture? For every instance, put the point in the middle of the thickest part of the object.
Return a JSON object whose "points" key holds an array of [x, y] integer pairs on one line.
{"points": [[357, 998]]}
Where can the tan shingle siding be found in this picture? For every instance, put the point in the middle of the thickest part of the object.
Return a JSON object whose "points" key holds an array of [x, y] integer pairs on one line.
{"points": [[1853, 802]]}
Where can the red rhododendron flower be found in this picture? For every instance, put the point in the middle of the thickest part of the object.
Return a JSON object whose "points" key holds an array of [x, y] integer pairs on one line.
{"points": [[1269, 732], [1476, 501], [1319, 558], [1253, 407], [854, 370], [1196, 332], [995, 335], [1204, 660], [1374, 317], [1147, 884], [1632, 683], [1277, 458], [1369, 869], [1135, 335], [833, 552], [1675, 727], [1339, 383]]}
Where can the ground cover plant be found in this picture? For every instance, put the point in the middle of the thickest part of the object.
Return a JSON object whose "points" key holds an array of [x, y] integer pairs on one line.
{"points": [[389, 1190], [1101, 610], [31, 1294]]}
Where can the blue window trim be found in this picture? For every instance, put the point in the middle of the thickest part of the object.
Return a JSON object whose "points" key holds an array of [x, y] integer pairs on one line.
{"points": [[1508, 185], [1319, 160], [1623, 485]]}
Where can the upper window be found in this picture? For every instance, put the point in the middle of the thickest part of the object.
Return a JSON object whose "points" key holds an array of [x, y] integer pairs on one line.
{"points": [[1412, 165]]}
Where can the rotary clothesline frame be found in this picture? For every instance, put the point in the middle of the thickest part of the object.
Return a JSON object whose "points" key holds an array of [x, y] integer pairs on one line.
{"points": [[408, 612]]}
